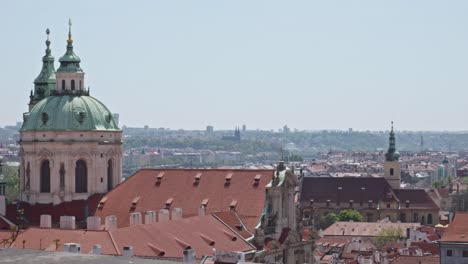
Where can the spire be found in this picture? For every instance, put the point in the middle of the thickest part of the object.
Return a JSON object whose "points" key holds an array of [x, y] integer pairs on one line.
{"points": [[392, 154], [45, 81], [69, 62], [70, 40]]}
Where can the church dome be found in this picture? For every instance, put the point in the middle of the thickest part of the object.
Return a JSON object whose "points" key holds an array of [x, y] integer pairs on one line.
{"points": [[69, 112]]}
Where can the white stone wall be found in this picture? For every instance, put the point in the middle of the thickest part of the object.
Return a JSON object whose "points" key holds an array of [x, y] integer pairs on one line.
{"points": [[394, 180], [67, 147]]}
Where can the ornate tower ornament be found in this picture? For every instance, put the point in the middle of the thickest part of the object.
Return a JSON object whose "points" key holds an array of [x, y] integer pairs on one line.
{"points": [[392, 153]]}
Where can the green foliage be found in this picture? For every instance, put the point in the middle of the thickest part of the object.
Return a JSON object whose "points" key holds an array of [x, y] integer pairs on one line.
{"points": [[437, 184], [12, 182], [350, 214], [326, 220], [389, 234]]}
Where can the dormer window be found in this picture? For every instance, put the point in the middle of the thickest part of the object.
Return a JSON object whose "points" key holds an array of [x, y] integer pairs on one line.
{"points": [[73, 84]]}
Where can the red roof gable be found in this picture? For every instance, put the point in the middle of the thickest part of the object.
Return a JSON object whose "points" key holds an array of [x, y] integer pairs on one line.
{"points": [[156, 186], [457, 231], [170, 238]]}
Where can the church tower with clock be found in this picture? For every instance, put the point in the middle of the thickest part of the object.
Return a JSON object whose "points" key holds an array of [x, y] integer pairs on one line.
{"points": [[70, 144]]}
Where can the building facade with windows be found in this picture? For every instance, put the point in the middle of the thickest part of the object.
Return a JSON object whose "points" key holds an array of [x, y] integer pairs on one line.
{"points": [[376, 198], [454, 241], [70, 144]]}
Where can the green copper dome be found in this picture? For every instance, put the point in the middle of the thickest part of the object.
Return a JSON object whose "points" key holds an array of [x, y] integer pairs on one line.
{"points": [[69, 112]]}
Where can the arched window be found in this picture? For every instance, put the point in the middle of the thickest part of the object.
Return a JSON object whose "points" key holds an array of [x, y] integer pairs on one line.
{"points": [[63, 84], [81, 177], [45, 176], [73, 84], [391, 172], [429, 219], [422, 220], [110, 182], [403, 217]]}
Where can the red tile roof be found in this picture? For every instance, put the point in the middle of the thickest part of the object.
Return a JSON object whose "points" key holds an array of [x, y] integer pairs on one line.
{"points": [[170, 238], [432, 248], [163, 239], [457, 231], [156, 186], [45, 239], [233, 221]]}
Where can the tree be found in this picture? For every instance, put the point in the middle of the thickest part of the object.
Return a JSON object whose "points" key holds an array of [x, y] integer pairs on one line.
{"points": [[327, 220], [389, 234], [350, 214], [11, 177]]}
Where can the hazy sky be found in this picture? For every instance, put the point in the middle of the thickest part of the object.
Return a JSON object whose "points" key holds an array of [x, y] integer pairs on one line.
{"points": [[308, 64]]}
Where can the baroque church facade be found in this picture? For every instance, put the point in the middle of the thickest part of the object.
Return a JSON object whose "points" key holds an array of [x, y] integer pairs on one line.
{"points": [[70, 144]]}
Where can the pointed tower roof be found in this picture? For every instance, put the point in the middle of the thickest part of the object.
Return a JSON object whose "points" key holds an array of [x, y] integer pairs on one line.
{"points": [[392, 153], [45, 81], [47, 74], [69, 62]]}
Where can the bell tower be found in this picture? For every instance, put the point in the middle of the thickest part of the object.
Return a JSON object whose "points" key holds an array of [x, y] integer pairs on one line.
{"points": [[45, 81], [392, 164]]}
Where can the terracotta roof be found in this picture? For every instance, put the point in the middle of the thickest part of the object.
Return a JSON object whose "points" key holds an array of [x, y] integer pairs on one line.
{"points": [[321, 189], [416, 260], [233, 221], [162, 239], [156, 186], [457, 231], [432, 248], [170, 238], [44, 239], [364, 228], [418, 198]]}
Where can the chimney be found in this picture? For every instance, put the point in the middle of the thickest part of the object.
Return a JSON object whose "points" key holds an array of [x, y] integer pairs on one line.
{"points": [[189, 256], [67, 222], [201, 210], [110, 222], [150, 217], [339, 196], [46, 221], [2, 205], [97, 249], [93, 223], [127, 251], [176, 213], [135, 219], [71, 247], [163, 215]]}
